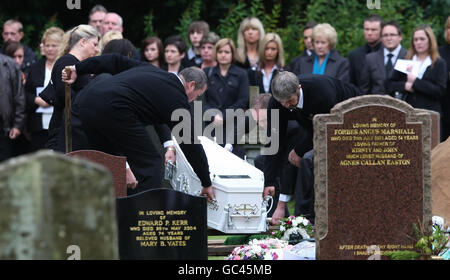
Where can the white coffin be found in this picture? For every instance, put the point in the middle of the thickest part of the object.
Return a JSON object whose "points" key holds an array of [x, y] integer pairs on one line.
{"points": [[238, 186]]}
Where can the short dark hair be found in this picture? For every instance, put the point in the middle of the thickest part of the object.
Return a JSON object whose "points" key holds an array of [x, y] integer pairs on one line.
{"points": [[392, 23], [120, 46], [98, 8], [310, 24], [177, 41], [11, 47], [374, 17], [195, 74]]}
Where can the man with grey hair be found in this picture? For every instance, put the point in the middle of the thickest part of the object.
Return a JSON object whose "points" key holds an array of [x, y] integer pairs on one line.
{"points": [[300, 98], [96, 16], [115, 108], [112, 21]]}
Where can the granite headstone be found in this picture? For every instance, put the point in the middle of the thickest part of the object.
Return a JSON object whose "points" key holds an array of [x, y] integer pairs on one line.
{"points": [[162, 224], [372, 177], [54, 207]]}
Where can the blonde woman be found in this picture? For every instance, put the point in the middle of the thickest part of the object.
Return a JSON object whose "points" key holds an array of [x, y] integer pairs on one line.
{"points": [[109, 36], [250, 35], [228, 88], [326, 59], [271, 60], [425, 87], [79, 43], [444, 51], [40, 73]]}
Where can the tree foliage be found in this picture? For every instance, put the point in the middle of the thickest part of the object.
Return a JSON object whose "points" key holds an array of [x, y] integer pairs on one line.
{"points": [[285, 17]]}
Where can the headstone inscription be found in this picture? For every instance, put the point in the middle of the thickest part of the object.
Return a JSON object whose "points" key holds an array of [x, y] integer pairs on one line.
{"points": [[162, 224], [372, 177], [55, 207]]}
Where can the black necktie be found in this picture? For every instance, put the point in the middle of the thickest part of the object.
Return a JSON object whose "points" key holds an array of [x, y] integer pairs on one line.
{"points": [[389, 64]]}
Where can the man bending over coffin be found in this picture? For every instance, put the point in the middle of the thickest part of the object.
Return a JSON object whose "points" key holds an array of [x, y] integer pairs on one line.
{"points": [[300, 98], [114, 110]]}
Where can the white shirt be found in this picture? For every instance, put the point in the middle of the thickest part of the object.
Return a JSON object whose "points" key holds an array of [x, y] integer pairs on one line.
{"points": [[394, 55], [268, 78]]}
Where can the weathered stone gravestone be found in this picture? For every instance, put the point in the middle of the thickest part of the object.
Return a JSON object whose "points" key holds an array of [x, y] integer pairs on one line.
{"points": [[115, 164], [55, 207], [162, 224], [372, 177]]}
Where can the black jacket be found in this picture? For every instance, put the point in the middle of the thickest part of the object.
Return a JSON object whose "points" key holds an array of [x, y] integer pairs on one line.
{"points": [[35, 79], [320, 94], [428, 91], [229, 92], [255, 78], [149, 93], [444, 51], [294, 65], [374, 76], [337, 66], [56, 98], [357, 59]]}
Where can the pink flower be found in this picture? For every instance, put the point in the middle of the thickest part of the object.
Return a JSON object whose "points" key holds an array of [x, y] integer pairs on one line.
{"points": [[264, 246], [237, 258], [275, 256]]}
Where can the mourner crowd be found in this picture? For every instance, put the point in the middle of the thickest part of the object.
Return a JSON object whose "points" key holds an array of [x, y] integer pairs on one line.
{"points": [[116, 93]]}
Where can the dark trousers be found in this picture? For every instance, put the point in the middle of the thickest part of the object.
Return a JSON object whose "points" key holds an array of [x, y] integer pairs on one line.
{"points": [[304, 191], [5, 144], [38, 140]]}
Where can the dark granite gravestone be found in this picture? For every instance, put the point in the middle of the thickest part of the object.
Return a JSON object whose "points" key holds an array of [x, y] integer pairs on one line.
{"points": [[372, 177], [162, 224], [115, 164]]}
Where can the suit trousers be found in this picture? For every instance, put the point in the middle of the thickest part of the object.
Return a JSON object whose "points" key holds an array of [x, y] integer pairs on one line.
{"points": [[304, 192]]}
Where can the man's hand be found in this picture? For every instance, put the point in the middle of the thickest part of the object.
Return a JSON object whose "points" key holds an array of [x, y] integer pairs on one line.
{"points": [[208, 193], [170, 155], [14, 133], [294, 159], [73, 75], [130, 179], [269, 190], [278, 214]]}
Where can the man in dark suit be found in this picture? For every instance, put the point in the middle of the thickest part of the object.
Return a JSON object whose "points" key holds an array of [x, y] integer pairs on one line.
{"points": [[380, 64], [357, 58], [300, 98], [114, 111], [294, 66]]}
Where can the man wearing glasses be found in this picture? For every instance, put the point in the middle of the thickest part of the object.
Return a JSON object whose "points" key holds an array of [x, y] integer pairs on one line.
{"points": [[380, 65]]}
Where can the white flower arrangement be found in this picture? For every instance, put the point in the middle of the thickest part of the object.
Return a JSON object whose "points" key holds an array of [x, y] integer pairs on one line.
{"points": [[292, 225], [265, 249]]}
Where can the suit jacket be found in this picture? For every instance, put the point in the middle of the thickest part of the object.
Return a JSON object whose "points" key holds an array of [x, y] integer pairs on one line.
{"points": [[35, 79], [337, 66], [149, 95], [428, 91], [320, 94], [294, 66], [357, 59], [444, 51], [374, 76]]}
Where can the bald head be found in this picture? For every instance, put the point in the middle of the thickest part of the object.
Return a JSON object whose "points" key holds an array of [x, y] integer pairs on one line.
{"points": [[112, 21]]}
